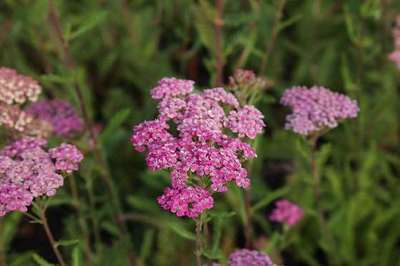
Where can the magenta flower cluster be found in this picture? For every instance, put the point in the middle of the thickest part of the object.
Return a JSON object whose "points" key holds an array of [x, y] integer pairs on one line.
{"points": [[60, 114], [200, 137], [395, 55], [316, 109], [246, 257], [286, 212], [28, 171]]}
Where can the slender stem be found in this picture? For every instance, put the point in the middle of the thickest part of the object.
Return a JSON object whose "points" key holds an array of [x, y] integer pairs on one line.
{"points": [[271, 41], [248, 225], [43, 220], [218, 23], [199, 240], [81, 219], [2, 248], [317, 193]]}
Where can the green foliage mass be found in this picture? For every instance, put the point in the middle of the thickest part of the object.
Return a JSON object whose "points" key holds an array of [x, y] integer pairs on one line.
{"points": [[121, 48]]}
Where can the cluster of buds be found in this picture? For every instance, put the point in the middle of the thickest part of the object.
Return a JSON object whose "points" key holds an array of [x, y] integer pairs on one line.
{"points": [[247, 86]]}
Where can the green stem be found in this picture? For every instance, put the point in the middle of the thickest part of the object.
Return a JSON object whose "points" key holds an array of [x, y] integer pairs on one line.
{"points": [[317, 193], [49, 234], [2, 248], [199, 241], [81, 219], [218, 23]]}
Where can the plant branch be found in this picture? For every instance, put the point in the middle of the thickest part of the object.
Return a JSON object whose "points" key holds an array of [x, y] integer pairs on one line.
{"points": [[49, 234], [219, 61], [199, 241], [269, 46]]}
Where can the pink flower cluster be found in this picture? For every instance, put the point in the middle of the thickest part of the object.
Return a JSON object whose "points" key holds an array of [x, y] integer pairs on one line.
{"points": [[286, 212], [395, 55], [16, 88], [28, 171], [200, 138], [246, 257], [316, 109], [59, 114]]}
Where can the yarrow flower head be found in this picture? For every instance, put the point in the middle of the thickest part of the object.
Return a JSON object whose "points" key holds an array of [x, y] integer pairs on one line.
{"points": [[59, 114], [201, 138], [395, 55], [28, 171], [316, 109], [246, 257], [16, 90], [286, 212]]}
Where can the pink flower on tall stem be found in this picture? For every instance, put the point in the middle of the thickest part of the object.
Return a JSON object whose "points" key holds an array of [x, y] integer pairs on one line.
{"points": [[200, 137]]}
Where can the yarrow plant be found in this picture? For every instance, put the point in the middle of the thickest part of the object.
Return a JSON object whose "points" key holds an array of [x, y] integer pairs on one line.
{"points": [[286, 212], [246, 257], [28, 171], [395, 55], [200, 138], [59, 114], [316, 109], [15, 91]]}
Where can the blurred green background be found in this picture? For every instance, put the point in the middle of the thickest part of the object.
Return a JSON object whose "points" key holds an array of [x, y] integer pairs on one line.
{"points": [[119, 49]]}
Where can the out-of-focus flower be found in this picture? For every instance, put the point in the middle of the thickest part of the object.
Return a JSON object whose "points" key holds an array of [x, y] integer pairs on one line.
{"points": [[59, 114], [316, 109], [246, 257], [200, 138], [286, 212], [28, 171], [17, 88], [247, 86], [395, 55]]}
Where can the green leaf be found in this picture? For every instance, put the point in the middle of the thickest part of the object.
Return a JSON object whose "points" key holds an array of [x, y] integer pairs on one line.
{"points": [[66, 243], [90, 22], [40, 261], [267, 199], [116, 121], [181, 231]]}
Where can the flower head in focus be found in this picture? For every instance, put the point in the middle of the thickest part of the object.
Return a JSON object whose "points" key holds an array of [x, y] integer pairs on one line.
{"points": [[316, 109], [247, 257], [286, 212], [200, 137]]}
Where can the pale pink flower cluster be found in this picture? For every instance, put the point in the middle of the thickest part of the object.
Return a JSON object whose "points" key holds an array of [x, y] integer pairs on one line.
{"points": [[316, 109], [17, 88], [28, 171], [200, 138], [286, 212], [395, 55], [15, 91]]}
